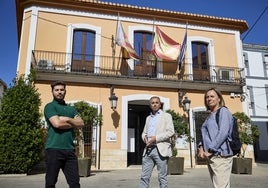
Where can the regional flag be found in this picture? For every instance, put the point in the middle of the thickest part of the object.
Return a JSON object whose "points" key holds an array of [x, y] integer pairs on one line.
{"points": [[164, 47], [122, 40]]}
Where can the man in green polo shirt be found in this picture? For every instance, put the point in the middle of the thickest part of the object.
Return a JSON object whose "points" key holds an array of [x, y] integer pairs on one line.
{"points": [[59, 154]]}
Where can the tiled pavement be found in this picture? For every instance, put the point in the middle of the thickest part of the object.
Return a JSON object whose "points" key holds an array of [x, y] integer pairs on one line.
{"points": [[129, 178]]}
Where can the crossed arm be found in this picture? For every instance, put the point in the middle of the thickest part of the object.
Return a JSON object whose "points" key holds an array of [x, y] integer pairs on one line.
{"points": [[63, 122]]}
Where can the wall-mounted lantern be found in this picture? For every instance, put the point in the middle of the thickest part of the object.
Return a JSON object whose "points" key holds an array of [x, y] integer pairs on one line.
{"points": [[186, 103], [113, 98]]}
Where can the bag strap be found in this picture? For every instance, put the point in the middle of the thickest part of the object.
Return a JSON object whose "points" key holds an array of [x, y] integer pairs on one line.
{"points": [[217, 121], [218, 116]]}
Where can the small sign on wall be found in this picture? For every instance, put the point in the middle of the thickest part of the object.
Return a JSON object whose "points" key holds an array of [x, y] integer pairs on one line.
{"points": [[110, 136]]}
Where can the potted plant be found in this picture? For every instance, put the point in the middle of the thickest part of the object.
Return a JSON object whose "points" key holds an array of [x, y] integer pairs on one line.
{"points": [[176, 163], [248, 135], [90, 116]]}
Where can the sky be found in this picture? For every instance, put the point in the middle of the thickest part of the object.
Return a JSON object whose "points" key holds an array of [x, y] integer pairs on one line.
{"points": [[248, 10]]}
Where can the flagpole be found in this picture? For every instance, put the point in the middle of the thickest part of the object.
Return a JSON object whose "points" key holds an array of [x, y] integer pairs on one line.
{"points": [[118, 14], [114, 41], [181, 57], [153, 35], [113, 50]]}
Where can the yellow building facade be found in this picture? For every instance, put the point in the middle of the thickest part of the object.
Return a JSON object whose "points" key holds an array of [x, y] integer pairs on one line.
{"points": [[74, 41]]}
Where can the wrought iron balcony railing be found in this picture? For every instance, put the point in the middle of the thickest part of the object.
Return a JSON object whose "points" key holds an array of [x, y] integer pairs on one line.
{"points": [[146, 68]]}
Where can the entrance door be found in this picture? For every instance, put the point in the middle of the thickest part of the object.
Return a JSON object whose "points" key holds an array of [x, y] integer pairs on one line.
{"points": [[200, 117], [136, 120]]}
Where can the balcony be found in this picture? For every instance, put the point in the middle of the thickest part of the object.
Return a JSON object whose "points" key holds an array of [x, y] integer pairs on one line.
{"points": [[144, 73]]}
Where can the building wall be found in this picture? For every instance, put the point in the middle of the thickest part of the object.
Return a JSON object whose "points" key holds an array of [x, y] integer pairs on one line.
{"points": [[256, 64], [3, 87], [51, 29], [48, 29]]}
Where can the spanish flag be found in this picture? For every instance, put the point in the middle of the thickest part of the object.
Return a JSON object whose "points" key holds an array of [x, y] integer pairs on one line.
{"points": [[164, 47]]}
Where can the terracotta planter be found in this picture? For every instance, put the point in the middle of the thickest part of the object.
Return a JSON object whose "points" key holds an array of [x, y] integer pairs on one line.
{"points": [[84, 166], [175, 165], [242, 165]]}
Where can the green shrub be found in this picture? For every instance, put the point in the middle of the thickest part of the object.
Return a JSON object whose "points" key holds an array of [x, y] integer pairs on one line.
{"points": [[248, 132], [90, 116], [181, 128], [21, 133]]}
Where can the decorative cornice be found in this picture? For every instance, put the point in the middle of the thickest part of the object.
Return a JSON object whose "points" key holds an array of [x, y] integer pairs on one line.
{"points": [[135, 12], [254, 47]]}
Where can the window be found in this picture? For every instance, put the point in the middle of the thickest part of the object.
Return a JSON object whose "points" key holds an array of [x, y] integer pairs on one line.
{"points": [[245, 56], [251, 102], [200, 55], [83, 50], [200, 61], [265, 57], [143, 44], [265, 60]]}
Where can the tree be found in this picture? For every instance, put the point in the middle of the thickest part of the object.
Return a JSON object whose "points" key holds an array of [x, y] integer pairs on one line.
{"points": [[21, 133]]}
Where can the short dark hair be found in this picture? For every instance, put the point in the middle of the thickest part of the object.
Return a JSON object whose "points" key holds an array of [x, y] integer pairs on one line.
{"points": [[58, 82]]}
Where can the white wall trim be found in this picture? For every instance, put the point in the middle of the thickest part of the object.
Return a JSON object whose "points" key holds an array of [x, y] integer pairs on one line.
{"points": [[211, 53], [70, 30], [31, 37]]}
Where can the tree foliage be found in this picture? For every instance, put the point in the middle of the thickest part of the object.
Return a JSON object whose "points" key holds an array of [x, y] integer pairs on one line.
{"points": [[21, 133], [88, 113], [180, 125], [90, 116], [248, 133]]}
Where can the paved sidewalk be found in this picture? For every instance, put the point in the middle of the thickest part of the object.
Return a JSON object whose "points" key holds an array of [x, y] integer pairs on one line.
{"points": [[129, 178]]}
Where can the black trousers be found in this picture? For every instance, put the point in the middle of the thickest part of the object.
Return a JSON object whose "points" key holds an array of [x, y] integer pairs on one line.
{"points": [[66, 160]]}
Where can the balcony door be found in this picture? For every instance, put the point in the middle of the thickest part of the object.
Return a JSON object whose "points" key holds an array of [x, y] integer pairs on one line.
{"points": [[200, 61], [143, 46], [83, 53]]}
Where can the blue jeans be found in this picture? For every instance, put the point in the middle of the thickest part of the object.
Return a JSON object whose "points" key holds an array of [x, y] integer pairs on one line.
{"points": [[66, 160], [149, 160]]}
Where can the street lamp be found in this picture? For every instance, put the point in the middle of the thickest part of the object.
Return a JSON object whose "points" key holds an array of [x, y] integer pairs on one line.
{"points": [[113, 98], [186, 104]]}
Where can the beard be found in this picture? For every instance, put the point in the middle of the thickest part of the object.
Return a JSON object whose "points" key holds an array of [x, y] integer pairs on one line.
{"points": [[59, 98]]}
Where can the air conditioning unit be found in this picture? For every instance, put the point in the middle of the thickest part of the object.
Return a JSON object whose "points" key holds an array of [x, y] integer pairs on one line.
{"points": [[45, 64], [226, 75]]}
